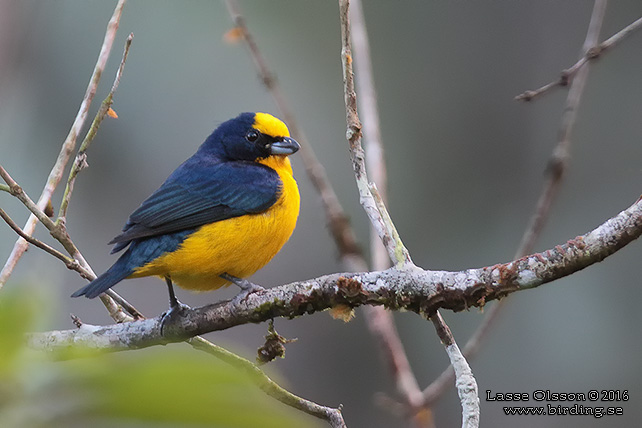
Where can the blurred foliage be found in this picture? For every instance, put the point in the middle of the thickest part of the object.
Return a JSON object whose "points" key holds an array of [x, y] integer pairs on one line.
{"points": [[172, 386]]}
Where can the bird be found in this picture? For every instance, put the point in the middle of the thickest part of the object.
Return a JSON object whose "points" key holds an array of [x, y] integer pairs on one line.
{"points": [[221, 216]]}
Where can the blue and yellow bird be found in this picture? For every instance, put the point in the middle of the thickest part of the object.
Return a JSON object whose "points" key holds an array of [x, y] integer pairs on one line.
{"points": [[219, 217]]}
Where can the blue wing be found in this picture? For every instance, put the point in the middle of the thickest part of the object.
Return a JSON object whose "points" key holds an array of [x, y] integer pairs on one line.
{"points": [[199, 192]]}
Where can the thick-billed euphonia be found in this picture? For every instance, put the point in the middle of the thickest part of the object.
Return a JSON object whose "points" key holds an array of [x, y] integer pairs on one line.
{"points": [[219, 217]]}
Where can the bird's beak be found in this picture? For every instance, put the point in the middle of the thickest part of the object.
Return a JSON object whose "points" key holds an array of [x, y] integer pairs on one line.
{"points": [[284, 146]]}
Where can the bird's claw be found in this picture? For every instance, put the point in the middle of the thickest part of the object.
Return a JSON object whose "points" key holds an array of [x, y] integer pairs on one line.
{"points": [[247, 287], [176, 310], [245, 293]]}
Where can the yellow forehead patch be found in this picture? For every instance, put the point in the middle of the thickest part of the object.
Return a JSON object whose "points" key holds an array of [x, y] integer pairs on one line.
{"points": [[270, 125]]}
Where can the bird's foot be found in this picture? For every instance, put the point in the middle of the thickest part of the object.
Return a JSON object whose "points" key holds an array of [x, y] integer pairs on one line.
{"points": [[176, 310], [247, 287]]}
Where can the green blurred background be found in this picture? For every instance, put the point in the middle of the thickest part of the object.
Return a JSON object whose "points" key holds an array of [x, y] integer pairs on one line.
{"points": [[465, 164]]}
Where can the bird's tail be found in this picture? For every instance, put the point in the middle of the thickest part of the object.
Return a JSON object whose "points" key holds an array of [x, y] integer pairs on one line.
{"points": [[111, 277]]}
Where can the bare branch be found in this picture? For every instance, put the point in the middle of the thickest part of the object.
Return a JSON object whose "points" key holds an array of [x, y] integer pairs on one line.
{"points": [[558, 163], [80, 162], [435, 390], [332, 416], [591, 52], [616, 38], [16, 190], [59, 232], [466, 384], [373, 146], [68, 146], [412, 289], [382, 326], [377, 213], [68, 261]]}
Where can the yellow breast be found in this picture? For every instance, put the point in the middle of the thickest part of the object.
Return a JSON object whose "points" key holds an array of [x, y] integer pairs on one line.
{"points": [[238, 246]]}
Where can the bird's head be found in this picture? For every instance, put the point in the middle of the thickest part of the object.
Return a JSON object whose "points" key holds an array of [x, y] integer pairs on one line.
{"points": [[251, 137]]}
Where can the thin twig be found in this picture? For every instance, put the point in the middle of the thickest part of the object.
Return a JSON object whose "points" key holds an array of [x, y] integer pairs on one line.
{"points": [[68, 261], [80, 162], [435, 390], [466, 384], [381, 325], [618, 37], [373, 146], [68, 146], [16, 190], [396, 250], [113, 302], [555, 173], [71, 264], [331, 415], [59, 232], [558, 163], [592, 52]]}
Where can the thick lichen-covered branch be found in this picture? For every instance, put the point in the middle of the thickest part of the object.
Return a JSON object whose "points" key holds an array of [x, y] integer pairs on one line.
{"points": [[412, 289]]}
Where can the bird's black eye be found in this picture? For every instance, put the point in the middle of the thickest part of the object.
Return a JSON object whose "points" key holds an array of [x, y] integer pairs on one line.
{"points": [[252, 135]]}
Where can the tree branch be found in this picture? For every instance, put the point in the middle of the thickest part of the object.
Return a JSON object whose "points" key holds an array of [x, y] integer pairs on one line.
{"points": [[376, 212], [60, 234], [412, 289], [558, 163], [590, 52], [466, 383], [332, 416], [80, 162], [68, 261]]}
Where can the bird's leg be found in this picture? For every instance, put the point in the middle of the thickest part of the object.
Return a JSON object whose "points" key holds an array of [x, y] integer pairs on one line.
{"points": [[247, 287], [173, 301], [176, 308]]}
